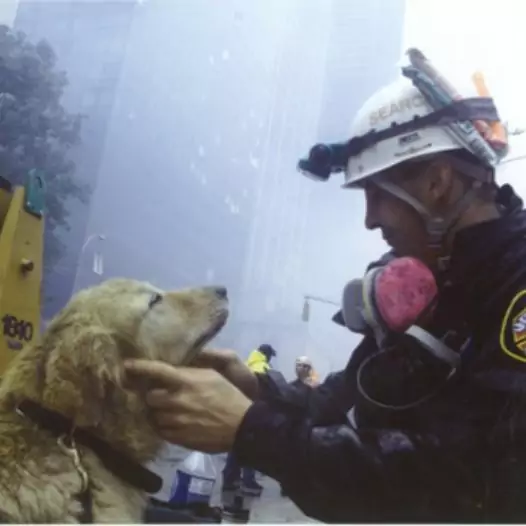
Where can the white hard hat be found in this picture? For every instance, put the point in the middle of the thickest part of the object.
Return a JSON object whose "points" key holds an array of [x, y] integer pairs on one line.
{"points": [[413, 119], [303, 360], [399, 102]]}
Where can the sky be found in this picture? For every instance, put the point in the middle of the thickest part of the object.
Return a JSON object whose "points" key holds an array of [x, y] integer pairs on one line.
{"points": [[463, 36], [7, 11]]}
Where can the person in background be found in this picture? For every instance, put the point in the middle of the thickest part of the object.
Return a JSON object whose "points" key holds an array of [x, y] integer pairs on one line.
{"points": [[233, 474], [259, 360], [306, 379], [305, 375]]}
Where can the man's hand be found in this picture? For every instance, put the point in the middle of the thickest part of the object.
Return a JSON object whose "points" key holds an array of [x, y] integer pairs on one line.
{"points": [[197, 408], [229, 364]]}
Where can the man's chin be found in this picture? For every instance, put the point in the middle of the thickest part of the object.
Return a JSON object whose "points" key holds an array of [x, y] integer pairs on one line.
{"points": [[407, 252]]}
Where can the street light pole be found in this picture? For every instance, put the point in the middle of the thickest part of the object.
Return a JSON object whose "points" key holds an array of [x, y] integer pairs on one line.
{"points": [[97, 262], [100, 237], [321, 300], [305, 315]]}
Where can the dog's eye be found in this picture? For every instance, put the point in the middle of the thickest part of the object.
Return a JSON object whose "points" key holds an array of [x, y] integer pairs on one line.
{"points": [[154, 300]]}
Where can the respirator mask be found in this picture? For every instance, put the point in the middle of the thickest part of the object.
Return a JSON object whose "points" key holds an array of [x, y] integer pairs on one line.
{"points": [[393, 303]]}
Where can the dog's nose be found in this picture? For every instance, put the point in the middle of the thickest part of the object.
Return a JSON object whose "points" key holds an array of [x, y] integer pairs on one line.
{"points": [[220, 292]]}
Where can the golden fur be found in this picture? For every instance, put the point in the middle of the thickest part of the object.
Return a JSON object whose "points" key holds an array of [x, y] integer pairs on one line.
{"points": [[77, 370]]}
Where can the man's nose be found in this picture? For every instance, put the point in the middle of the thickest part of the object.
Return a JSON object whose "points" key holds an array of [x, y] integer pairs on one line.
{"points": [[371, 221]]}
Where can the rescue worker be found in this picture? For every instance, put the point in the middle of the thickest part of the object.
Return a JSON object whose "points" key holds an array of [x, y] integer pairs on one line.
{"points": [[461, 455], [259, 360], [233, 474], [306, 379], [304, 373]]}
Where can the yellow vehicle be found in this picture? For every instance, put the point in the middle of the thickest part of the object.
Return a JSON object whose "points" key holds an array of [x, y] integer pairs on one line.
{"points": [[21, 259]]}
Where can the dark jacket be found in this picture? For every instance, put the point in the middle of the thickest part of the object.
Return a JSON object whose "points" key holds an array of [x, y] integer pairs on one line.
{"points": [[460, 456], [301, 386]]}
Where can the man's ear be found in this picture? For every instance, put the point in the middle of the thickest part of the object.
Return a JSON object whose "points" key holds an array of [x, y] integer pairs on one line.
{"points": [[438, 182]]}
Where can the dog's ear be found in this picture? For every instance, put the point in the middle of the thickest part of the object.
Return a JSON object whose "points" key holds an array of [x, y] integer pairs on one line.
{"points": [[83, 371]]}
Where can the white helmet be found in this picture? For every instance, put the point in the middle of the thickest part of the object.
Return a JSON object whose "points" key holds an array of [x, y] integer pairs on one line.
{"points": [[412, 119], [399, 102], [303, 360]]}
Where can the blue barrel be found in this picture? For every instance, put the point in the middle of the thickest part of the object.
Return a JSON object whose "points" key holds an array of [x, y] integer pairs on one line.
{"points": [[194, 481]]}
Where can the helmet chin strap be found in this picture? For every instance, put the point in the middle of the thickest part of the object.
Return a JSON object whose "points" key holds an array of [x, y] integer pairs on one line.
{"points": [[437, 227]]}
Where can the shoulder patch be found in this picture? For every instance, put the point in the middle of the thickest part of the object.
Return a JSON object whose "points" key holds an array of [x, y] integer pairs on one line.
{"points": [[513, 328]]}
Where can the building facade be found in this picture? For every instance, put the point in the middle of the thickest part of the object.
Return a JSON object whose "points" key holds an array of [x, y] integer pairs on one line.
{"points": [[363, 54], [274, 271], [306, 238], [192, 131], [90, 41]]}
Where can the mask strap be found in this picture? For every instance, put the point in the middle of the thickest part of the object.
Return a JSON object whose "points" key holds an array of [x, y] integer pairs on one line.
{"points": [[436, 227], [370, 312], [435, 346]]}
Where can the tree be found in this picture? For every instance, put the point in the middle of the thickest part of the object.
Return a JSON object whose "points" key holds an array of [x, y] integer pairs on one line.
{"points": [[35, 129]]}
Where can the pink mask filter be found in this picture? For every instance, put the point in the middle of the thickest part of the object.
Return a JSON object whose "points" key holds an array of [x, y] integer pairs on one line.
{"points": [[401, 292]]}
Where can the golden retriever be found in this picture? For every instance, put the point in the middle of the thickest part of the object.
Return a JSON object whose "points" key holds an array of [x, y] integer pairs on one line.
{"points": [[76, 372]]}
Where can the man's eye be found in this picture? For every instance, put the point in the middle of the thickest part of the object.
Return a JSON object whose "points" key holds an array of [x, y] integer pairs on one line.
{"points": [[154, 300]]}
